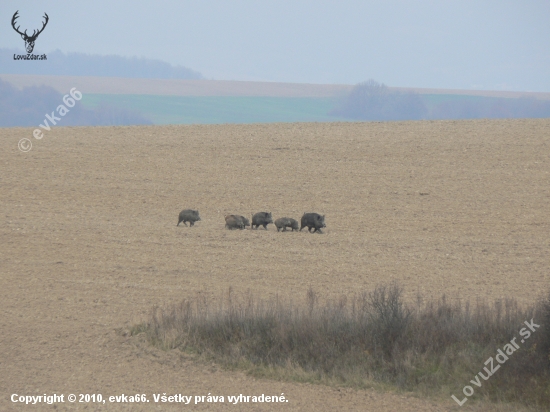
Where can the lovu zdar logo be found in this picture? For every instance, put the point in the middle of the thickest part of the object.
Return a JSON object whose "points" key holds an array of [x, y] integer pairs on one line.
{"points": [[29, 40]]}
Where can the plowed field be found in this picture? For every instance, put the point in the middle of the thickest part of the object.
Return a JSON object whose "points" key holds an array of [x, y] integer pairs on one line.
{"points": [[89, 243]]}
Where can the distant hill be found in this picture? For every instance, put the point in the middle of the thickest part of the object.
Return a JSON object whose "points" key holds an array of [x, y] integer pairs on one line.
{"points": [[190, 101], [203, 87], [30, 105], [80, 64]]}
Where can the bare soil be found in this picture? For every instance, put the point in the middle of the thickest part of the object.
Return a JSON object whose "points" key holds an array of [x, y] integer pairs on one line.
{"points": [[89, 243]]}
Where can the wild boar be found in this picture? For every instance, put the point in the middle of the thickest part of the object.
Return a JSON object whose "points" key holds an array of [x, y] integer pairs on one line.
{"points": [[261, 219], [313, 221], [188, 215], [284, 222]]}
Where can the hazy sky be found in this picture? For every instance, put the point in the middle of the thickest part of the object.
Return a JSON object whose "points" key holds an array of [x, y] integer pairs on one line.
{"points": [[466, 44]]}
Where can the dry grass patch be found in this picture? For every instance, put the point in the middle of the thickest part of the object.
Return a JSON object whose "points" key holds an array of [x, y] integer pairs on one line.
{"points": [[432, 347]]}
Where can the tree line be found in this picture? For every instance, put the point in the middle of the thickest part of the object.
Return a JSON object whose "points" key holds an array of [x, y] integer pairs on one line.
{"points": [[81, 64], [375, 101]]}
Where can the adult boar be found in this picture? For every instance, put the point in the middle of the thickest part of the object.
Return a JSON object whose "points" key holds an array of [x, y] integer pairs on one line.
{"points": [[188, 215], [261, 219], [313, 221]]}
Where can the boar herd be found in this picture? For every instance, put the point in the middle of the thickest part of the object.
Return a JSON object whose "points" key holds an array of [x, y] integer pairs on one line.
{"points": [[310, 220]]}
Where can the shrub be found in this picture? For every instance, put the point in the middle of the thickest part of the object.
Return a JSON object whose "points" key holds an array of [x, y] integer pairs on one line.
{"points": [[371, 100], [433, 346]]}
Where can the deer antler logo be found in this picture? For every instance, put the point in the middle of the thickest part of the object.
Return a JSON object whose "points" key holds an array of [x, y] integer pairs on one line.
{"points": [[29, 40]]}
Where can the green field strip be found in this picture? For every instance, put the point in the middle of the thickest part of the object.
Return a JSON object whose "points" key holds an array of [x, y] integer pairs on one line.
{"points": [[432, 100], [220, 110], [246, 110]]}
